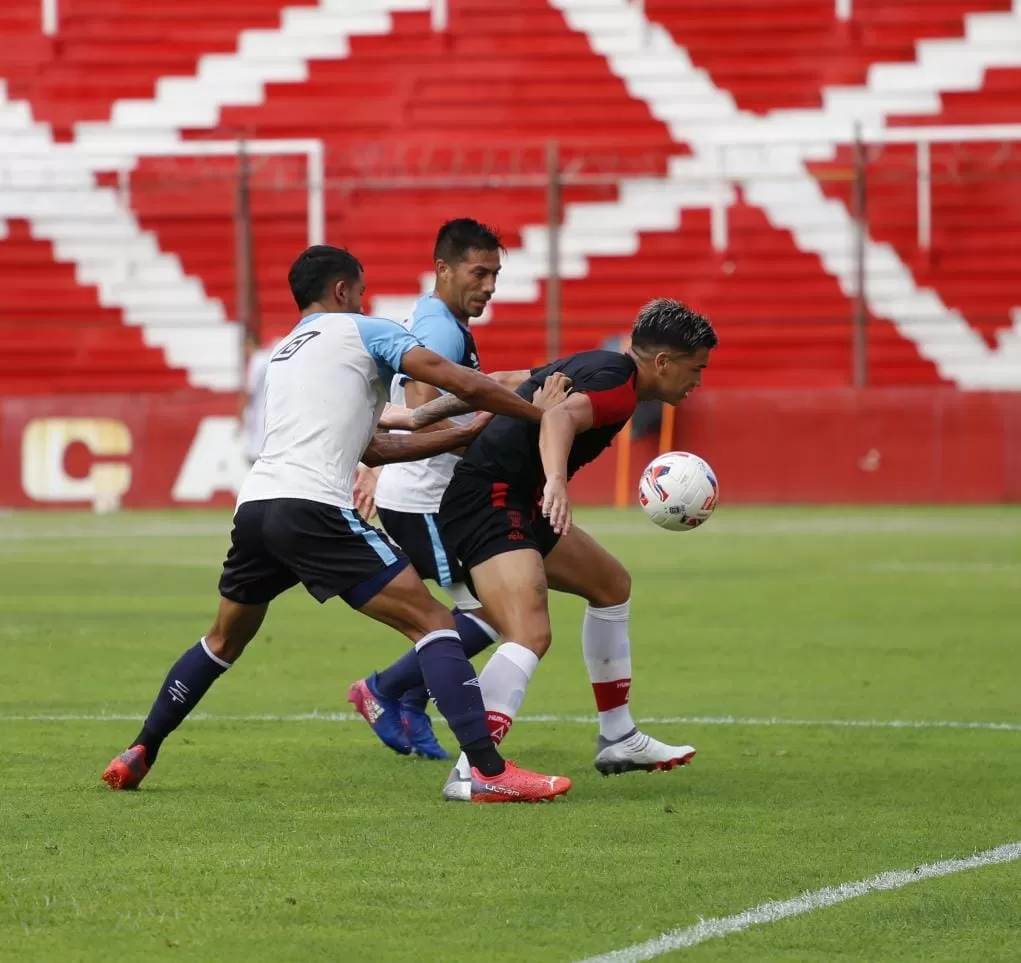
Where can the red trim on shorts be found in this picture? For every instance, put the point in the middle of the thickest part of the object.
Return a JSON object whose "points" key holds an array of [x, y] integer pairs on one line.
{"points": [[613, 405], [498, 494]]}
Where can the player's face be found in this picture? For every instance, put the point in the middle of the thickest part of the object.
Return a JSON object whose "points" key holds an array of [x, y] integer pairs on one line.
{"points": [[349, 295], [470, 284], [677, 375]]}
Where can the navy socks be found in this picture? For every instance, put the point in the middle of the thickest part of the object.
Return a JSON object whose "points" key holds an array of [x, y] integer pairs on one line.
{"points": [[186, 683], [454, 686], [403, 680]]}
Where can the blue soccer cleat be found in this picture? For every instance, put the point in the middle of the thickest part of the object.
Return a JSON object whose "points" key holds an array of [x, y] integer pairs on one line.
{"points": [[419, 729], [383, 715]]}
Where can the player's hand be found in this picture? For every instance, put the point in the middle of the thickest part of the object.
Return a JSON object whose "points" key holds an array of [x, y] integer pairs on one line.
{"points": [[365, 492], [556, 506], [554, 390], [395, 418], [479, 422], [468, 433]]}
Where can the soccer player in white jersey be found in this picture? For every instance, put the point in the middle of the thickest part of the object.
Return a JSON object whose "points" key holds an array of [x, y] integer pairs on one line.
{"points": [[408, 495], [295, 521]]}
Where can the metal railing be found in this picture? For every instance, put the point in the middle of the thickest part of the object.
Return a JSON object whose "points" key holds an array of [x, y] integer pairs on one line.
{"points": [[858, 170]]}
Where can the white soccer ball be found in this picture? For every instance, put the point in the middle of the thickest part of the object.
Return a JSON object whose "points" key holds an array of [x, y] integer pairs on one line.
{"points": [[678, 491]]}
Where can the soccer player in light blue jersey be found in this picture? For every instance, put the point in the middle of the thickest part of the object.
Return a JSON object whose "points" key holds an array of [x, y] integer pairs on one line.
{"points": [[408, 495]]}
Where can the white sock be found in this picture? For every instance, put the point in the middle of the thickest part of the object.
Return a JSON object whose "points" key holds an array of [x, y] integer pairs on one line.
{"points": [[607, 649], [503, 682]]}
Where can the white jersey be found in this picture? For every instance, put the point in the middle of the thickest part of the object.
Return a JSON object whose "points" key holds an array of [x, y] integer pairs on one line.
{"points": [[418, 486], [326, 386], [254, 417]]}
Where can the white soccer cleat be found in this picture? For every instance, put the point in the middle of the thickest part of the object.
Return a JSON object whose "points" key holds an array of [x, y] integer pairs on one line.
{"points": [[458, 787], [637, 751]]}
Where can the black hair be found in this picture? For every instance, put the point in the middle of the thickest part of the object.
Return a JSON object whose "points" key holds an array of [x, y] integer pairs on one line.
{"points": [[461, 235], [665, 323], [316, 269]]}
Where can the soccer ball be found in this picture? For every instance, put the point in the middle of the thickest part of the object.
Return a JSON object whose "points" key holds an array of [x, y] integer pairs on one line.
{"points": [[678, 491]]}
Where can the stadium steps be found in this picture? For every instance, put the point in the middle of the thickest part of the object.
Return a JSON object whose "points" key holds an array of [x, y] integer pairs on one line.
{"points": [[793, 201], [491, 91], [57, 338]]}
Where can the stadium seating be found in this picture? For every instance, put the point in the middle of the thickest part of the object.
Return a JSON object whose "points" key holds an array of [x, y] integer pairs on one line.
{"points": [[419, 125]]}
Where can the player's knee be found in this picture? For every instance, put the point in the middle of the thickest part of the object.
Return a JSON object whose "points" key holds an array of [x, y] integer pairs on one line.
{"points": [[613, 589], [426, 616], [538, 640]]}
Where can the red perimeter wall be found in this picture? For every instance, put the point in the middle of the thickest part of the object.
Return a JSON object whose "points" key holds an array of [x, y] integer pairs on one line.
{"points": [[880, 445]]}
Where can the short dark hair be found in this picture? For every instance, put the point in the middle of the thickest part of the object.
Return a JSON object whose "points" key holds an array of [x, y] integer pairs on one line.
{"points": [[461, 235], [665, 323], [316, 269]]}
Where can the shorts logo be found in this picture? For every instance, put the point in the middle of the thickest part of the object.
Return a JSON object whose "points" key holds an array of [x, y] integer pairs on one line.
{"points": [[515, 535], [288, 350]]}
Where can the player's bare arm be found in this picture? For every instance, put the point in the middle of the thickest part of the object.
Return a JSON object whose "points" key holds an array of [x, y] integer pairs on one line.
{"points": [[418, 395], [385, 449], [551, 394], [473, 387], [511, 379], [557, 431]]}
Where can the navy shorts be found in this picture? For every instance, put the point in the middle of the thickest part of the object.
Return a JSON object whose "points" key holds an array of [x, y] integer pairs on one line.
{"points": [[279, 542], [481, 518], [418, 534]]}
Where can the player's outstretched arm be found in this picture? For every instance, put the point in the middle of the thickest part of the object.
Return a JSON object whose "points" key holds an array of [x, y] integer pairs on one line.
{"points": [[511, 379], [447, 406], [385, 449], [557, 431], [478, 391]]}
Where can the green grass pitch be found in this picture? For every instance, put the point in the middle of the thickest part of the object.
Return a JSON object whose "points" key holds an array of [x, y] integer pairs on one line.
{"points": [[289, 839]]}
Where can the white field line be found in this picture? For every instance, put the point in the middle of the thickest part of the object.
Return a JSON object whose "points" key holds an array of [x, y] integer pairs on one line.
{"points": [[772, 912], [316, 716]]}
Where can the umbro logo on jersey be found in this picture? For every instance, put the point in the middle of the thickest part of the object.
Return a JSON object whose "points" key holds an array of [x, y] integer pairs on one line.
{"points": [[287, 351], [474, 682]]}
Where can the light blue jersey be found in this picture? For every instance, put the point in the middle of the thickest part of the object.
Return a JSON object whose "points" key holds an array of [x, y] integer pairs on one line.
{"points": [[418, 487], [326, 385]]}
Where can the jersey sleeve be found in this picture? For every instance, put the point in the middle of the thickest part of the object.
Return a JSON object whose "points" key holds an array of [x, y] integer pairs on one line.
{"points": [[441, 335], [613, 397], [387, 341]]}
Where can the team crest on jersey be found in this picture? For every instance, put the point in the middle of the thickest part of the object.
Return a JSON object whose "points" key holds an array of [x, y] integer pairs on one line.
{"points": [[288, 350]]}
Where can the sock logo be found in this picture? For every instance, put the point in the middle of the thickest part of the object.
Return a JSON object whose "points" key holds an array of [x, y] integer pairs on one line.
{"points": [[499, 726], [178, 691]]}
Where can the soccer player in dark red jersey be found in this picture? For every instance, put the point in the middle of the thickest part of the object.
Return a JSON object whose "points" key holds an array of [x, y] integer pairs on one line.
{"points": [[507, 516]]}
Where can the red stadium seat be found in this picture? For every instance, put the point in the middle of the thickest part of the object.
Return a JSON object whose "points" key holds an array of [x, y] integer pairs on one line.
{"points": [[420, 126]]}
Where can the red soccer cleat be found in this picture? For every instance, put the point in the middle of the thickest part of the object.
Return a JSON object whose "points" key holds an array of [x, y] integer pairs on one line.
{"points": [[127, 770], [512, 785]]}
